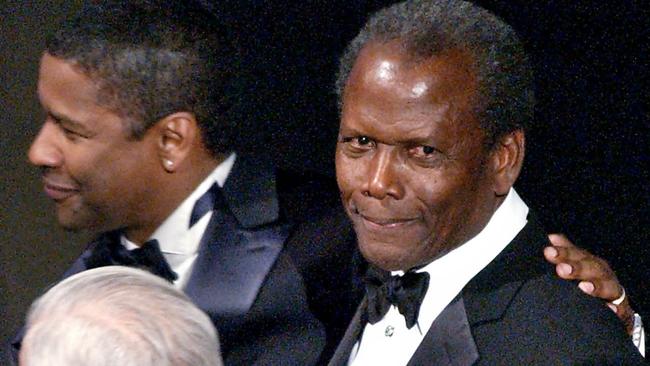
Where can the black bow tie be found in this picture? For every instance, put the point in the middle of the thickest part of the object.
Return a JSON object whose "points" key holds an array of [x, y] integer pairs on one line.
{"points": [[406, 292], [109, 252]]}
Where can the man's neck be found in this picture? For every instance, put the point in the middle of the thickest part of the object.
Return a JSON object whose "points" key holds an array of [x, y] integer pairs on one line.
{"points": [[174, 190]]}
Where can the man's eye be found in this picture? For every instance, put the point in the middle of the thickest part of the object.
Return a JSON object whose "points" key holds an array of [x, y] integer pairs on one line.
{"points": [[358, 141], [363, 140], [423, 151], [71, 134], [357, 145]]}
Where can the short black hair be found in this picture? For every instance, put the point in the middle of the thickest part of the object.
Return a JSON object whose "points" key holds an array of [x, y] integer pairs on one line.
{"points": [[151, 59], [425, 28]]}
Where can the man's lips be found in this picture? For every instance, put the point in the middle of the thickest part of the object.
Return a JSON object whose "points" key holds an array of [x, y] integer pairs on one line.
{"points": [[58, 192], [384, 223]]}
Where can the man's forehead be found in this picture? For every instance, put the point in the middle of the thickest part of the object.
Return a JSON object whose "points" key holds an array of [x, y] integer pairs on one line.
{"points": [[388, 66], [65, 75], [67, 93]]}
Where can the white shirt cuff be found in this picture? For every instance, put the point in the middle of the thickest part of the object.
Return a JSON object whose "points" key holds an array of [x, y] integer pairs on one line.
{"points": [[638, 334]]}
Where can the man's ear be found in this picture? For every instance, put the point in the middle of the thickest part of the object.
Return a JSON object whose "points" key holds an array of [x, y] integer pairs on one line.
{"points": [[177, 133], [508, 158]]}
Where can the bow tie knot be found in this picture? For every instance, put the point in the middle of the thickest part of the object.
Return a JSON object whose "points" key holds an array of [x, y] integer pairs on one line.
{"points": [[110, 252], [405, 292]]}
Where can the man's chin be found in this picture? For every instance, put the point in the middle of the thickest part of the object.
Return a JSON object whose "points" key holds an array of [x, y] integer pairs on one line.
{"points": [[72, 227], [75, 224], [387, 257]]}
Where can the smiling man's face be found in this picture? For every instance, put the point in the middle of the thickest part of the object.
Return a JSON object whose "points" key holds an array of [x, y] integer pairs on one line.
{"points": [[411, 161], [99, 176]]}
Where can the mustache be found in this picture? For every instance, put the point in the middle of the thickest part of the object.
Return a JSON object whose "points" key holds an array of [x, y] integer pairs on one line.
{"points": [[57, 180]]}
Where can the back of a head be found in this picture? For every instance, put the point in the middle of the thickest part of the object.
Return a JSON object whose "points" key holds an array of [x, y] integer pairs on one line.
{"points": [[118, 316], [152, 58]]}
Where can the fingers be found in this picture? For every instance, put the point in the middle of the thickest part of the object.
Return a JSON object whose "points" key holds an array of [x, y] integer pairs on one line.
{"points": [[595, 275], [560, 240], [605, 289], [572, 263], [565, 254]]}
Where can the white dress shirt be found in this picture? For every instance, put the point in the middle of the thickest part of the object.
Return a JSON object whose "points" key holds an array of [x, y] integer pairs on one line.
{"points": [[178, 242], [389, 341]]}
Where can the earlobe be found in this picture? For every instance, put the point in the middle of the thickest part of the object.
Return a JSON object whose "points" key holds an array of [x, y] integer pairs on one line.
{"points": [[508, 159], [176, 136]]}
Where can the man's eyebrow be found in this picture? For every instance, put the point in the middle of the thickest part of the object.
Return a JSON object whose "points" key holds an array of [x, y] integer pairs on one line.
{"points": [[71, 124], [428, 140], [60, 118]]}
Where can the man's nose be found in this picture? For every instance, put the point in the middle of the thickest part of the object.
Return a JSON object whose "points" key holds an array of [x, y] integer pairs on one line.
{"points": [[383, 176], [44, 151]]}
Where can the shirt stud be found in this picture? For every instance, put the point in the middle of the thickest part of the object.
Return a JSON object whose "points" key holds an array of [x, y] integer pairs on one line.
{"points": [[389, 331]]}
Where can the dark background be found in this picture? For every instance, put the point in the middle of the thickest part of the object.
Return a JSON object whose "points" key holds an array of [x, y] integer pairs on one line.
{"points": [[586, 168]]}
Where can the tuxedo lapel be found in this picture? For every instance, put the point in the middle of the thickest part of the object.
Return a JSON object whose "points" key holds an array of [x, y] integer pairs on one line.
{"points": [[78, 266], [251, 193], [488, 295], [449, 341], [352, 335], [485, 298], [232, 265], [240, 244]]}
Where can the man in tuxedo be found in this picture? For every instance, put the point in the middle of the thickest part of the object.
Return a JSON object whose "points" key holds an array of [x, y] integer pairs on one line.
{"points": [[138, 146], [85, 318], [435, 100]]}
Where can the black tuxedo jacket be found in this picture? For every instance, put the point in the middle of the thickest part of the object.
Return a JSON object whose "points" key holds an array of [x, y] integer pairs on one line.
{"points": [[271, 268], [516, 311]]}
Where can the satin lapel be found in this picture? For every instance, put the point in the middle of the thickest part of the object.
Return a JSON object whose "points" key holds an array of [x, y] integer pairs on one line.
{"points": [[485, 298], [449, 341], [488, 295], [251, 193], [352, 334], [241, 242], [232, 265], [78, 266]]}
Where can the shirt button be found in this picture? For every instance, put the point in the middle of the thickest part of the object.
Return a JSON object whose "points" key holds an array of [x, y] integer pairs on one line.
{"points": [[389, 331]]}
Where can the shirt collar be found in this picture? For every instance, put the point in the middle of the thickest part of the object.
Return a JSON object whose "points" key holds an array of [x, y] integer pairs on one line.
{"points": [[175, 226], [479, 251], [451, 272]]}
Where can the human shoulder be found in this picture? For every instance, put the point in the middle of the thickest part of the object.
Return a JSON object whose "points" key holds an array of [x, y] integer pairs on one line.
{"points": [[550, 321], [518, 303]]}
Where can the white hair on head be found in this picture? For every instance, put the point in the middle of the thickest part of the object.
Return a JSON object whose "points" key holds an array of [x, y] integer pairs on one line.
{"points": [[118, 316]]}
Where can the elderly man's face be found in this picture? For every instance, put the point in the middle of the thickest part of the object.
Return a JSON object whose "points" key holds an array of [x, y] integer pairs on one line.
{"points": [[414, 175]]}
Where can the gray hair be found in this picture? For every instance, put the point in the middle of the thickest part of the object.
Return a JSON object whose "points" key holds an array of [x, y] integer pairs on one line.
{"points": [[118, 316], [426, 28]]}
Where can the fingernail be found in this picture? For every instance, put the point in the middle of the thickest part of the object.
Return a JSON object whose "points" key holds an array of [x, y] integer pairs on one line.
{"points": [[551, 252], [565, 269], [587, 287]]}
